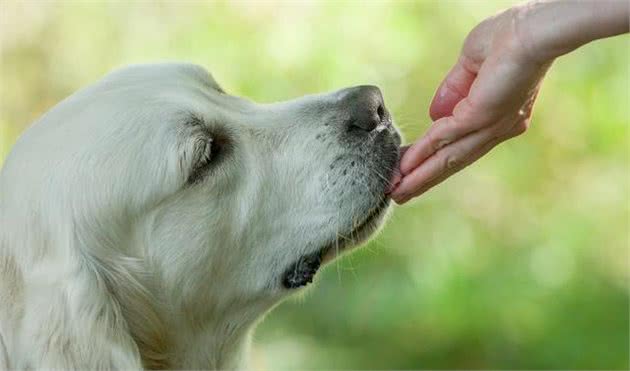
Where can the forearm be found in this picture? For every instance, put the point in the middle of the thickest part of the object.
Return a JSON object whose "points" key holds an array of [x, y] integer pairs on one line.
{"points": [[553, 28]]}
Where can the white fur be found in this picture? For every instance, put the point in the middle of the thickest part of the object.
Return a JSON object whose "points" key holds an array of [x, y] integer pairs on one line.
{"points": [[109, 258]]}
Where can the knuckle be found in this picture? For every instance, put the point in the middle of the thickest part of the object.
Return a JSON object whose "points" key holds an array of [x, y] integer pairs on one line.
{"points": [[437, 141], [452, 161], [442, 143]]}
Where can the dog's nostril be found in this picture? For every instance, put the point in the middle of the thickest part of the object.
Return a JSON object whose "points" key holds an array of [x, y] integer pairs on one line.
{"points": [[380, 111]]}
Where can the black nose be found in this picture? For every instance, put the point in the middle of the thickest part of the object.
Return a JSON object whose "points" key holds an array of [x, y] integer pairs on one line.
{"points": [[366, 106]]}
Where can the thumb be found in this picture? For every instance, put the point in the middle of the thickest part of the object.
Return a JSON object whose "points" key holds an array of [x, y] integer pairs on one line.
{"points": [[453, 89]]}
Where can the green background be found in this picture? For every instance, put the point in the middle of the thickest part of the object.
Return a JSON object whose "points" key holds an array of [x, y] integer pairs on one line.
{"points": [[519, 261]]}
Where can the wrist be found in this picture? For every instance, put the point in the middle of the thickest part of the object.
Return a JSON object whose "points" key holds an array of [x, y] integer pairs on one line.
{"points": [[550, 29]]}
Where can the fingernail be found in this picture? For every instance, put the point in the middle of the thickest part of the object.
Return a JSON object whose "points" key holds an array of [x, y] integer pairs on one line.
{"points": [[443, 91]]}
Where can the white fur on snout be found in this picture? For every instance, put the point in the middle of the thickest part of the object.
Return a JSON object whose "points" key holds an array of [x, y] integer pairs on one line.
{"points": [[111, 258]]}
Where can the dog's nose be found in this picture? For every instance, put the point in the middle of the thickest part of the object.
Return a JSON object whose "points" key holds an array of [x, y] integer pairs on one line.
{"points": [[367, 109]]}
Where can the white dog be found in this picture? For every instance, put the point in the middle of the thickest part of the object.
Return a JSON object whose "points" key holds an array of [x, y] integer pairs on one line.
{"points": [[150, 219]]}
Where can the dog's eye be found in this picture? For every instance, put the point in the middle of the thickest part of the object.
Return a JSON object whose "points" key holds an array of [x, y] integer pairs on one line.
{"points": [[205, 146], [206, 151]]}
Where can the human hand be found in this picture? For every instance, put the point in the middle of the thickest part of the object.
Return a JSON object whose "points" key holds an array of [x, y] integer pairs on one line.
{"points": [[485, 99], [488, 95]]}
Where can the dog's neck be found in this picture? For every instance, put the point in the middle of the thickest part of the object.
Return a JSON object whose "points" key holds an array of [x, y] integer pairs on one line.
{"points": [[194, 331], [216, 338]]}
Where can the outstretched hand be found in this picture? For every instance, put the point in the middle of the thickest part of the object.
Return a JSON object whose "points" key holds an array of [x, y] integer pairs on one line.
{"points": [[488, 95], [485, 99]]}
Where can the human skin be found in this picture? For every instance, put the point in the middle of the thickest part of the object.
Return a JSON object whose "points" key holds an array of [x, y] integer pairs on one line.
{"points": [[487, 97]]}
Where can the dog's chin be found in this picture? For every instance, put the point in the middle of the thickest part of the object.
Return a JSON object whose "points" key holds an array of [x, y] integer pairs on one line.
{"points": [[302, 272]]}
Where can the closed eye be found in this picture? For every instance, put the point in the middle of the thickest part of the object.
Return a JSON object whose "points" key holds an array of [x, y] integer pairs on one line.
{"points": [[208, 149], [202, 159]]}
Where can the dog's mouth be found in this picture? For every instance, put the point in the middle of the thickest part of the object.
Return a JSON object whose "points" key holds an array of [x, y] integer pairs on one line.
{"points": [[302, 272]]}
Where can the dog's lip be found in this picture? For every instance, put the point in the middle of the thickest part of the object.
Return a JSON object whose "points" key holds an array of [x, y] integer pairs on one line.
{"points": [[301, 272]]}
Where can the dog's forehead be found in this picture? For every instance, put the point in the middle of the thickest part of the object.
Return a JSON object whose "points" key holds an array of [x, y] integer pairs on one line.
{"points": [[203, 75], [164, 72]]}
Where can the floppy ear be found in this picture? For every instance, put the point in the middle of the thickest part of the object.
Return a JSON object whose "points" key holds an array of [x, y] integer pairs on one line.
{"points": [[68, 298], [63, 310], [4, 358], [9, 293]]}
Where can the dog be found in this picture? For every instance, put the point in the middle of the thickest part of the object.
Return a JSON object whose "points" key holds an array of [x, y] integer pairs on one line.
{"points": [[151, 219]]}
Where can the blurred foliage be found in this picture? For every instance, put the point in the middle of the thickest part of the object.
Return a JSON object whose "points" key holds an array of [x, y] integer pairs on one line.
{"points": [[520, 261]]}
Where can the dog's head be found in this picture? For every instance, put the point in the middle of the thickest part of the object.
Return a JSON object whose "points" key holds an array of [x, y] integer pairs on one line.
{"points": [[157, 163]]}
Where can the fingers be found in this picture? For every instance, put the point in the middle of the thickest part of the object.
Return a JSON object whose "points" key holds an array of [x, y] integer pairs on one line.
{"points": [[403, 150], [452, 90], [394, 181], [444, 131], [441, 133], [442, 177], [444, 163], [457, 155], [497, 91], [486, 98], [396, 176], [465, 117]]}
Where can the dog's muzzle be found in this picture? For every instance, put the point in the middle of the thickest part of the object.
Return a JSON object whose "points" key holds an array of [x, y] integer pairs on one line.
{"points": [[365, 131]]}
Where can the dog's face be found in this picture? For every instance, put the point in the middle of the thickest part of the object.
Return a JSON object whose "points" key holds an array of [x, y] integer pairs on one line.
{"points": [[216, 192]]}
